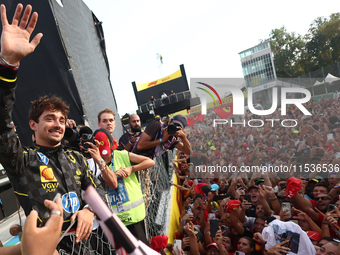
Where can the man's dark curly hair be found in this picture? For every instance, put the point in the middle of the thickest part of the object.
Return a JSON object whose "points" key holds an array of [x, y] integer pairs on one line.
{"points": [[50, 103]]}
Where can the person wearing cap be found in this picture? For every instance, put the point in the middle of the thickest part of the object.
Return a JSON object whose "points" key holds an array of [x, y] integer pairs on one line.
{"points": [[128, 139], [253, 191], [212, 248], [123, 188], [314, 237], [156, 139]]}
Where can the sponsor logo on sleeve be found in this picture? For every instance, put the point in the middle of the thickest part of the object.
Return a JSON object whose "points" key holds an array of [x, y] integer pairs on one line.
{"points": [[42, 158]]}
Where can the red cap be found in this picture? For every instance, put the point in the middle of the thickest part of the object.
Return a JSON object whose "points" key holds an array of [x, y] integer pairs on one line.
{"points": [[159, 243], [198, 188], [314, 235], [105, 147], [213, 245], [190, 183], [245, 145], [232, 205]]}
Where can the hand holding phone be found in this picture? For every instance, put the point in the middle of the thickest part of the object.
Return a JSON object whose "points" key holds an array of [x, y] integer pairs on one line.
{"points": [[214, 224], [211, 216], [177, 244], [286, 206]]}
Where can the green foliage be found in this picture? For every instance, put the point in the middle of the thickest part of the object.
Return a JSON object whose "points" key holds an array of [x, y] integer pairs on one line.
{"points": [[296, 55]]}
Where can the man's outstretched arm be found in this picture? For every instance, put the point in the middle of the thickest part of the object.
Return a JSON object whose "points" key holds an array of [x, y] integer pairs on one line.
{"points": [[15, 45], [15, 37]]}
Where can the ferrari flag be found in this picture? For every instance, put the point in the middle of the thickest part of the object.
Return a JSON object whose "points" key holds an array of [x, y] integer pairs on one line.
{"points": [[224, 111]]}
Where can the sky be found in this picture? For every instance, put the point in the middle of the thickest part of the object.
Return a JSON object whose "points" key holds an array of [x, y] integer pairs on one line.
{"points": [[205, 36]]}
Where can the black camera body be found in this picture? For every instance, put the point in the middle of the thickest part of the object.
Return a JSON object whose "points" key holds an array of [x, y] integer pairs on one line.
{"points": [[84, 142], [172, 129], [71, 134]]}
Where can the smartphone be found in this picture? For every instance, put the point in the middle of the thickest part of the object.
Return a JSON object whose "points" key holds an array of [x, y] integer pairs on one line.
{"points": [[331, 207], [329, 136], [224, 229], [221, 197], [286, 206], [247, 198], [239, 253], [188, 209], [47, 214], [177, 243], [285, 237], [211, 216], [213, 227]]}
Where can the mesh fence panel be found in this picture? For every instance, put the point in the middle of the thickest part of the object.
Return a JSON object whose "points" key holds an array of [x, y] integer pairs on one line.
{"points": [[156, 188]]}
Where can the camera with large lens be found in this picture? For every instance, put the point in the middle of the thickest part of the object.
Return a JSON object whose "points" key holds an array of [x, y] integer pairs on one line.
{"points": [[172, 129], [71, 134]]}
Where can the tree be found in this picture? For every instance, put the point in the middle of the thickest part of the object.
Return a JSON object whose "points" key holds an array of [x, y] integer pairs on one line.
{"points": [[288, 48], [324, 43], [296, 55]]}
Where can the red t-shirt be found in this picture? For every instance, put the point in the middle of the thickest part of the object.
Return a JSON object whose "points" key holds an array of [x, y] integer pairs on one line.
{"points": [[313, 203]]}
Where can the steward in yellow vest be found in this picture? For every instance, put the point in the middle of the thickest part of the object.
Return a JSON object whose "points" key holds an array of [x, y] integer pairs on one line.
{"points": [[123, 188]]}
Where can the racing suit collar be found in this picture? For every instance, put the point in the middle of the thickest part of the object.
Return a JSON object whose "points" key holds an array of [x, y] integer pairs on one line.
{"points": [[48, 149]]}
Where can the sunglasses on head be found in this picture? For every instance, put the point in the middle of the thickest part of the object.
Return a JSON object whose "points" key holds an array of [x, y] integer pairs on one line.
{"points": [[322, 198]]}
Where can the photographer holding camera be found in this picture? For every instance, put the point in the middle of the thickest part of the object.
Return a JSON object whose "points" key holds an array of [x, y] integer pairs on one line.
{"points": [[127, 140], [161, 136]]}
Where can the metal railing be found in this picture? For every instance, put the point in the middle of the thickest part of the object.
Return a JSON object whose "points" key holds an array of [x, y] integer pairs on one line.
{"points": [[147, 107]]}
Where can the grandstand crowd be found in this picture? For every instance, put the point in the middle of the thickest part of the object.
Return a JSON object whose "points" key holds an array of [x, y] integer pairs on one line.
{"points": [[253, 201]]}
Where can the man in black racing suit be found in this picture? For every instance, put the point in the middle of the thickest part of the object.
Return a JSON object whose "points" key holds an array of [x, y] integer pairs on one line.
{"points": [[48, 168]]}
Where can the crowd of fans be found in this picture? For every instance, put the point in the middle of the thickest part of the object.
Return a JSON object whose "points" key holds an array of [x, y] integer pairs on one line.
{"points": [[248, 209]]}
